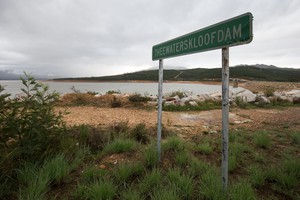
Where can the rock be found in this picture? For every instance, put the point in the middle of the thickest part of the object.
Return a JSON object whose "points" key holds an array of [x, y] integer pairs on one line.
{"points": [[102, 166], [246, 96], [193, 103], [203, 97], [97, 95], [263, 99], [175, 98], [167, 103], [293, 93], [216, 95]]}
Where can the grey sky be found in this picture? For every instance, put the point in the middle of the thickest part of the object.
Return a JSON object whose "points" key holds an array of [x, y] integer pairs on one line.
{"points": [[97, 37]]}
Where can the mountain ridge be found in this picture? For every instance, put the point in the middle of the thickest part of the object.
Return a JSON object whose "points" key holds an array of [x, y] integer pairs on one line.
{"points": [[257, 72]]}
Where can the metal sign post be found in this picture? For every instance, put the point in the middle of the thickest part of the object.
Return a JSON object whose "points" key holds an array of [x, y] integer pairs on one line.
{"points": [[231, 32], [159, 113], [225, 115]]}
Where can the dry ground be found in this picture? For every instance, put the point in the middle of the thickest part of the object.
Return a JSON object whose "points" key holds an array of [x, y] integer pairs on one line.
{"points": [[190, 122]]}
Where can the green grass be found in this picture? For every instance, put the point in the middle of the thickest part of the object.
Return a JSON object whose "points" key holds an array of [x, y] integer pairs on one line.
{"points": [[151, 182], [125, 171], [150, 156], [182, 183], [210, 185], [295, 135], [242, 190], [257, 175], [101, 190], [182, 173], [120, 146], [262, 139], [36, 180], [204, 148], [173, 144]]}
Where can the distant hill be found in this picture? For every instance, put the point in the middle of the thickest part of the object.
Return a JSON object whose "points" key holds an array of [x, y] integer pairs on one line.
{"points": [[9, 75], [249, 72]]}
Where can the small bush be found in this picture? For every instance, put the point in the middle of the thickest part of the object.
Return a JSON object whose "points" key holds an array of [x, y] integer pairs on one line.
{"points": [[140, 133], [113, 92], [31, 122], [115, 103], [138, 98], [269, 92]]}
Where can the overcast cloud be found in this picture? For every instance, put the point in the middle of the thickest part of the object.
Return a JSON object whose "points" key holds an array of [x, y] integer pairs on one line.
{"points": [[96, 38]]}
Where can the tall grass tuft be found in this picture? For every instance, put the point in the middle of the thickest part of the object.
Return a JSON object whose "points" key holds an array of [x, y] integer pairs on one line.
{"points": [[210, 185], [58, 168], [173, 144], [262, 139], [104, 190], [120, 146], [242, 190], [151, 182], [295, 135], [150, 156], [140, 133], [257, 175], [182, 183]]}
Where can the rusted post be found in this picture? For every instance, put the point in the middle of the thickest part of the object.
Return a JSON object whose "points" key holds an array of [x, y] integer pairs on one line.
{"points": [[225, 115], [159, 112]]}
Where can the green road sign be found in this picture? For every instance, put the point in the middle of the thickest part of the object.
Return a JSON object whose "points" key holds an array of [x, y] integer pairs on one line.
{"points": [[232, 32]]}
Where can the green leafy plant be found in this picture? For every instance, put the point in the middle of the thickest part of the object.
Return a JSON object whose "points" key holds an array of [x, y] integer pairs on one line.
{"points": [[30, 121]]}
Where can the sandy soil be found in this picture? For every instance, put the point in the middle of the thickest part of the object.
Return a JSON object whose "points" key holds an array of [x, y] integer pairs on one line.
{"points": [[189, 122]]}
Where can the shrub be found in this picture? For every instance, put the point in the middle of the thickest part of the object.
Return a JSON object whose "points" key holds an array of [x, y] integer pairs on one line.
{"points": [[138, 98], [30, 122], [140, 133], [113, 92], [269, 92], [115, 103]]}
